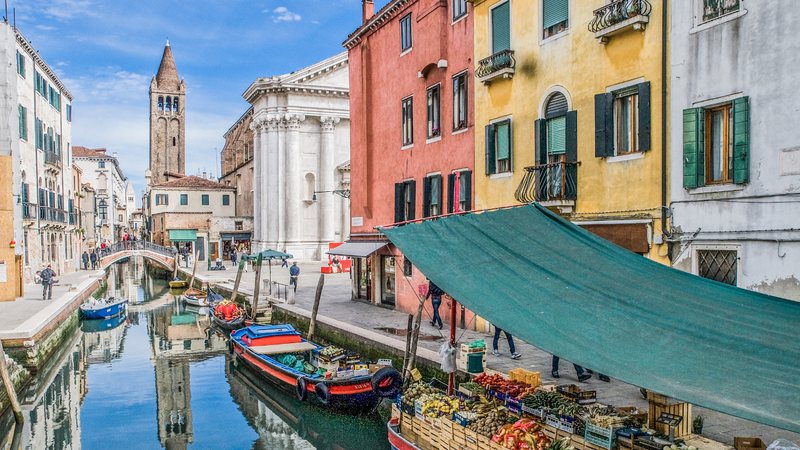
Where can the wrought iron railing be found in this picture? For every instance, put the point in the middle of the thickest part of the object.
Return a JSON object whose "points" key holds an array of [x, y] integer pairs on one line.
{"points": [[503, 59], [618, 11], [73, 217], [51, 214], [548, 182], [28, 210], [52, 158]]}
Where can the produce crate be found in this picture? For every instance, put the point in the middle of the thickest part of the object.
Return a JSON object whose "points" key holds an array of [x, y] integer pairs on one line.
{"points": [[634, 413], [502, 396], [465, 348], [577, 394], [748, 443], [514, 405], [395, 411], [471, 438], [659, 399], [602, 437], [461, 362], [536, 412], [407, 408], [464, 392], [328, 366], [563, 423], [526, 376], [460, 419], [680, 409]]}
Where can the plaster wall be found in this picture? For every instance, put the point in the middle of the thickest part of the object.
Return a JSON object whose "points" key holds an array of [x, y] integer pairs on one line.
{"points": [[194, 197]]}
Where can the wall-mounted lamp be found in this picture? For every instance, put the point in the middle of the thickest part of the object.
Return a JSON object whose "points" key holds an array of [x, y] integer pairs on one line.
{"points": [[344, 193]]}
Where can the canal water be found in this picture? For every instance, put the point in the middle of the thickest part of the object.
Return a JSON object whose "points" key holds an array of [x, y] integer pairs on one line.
{"points": [[161, 377]]}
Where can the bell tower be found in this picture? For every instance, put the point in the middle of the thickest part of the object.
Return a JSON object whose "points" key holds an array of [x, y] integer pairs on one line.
{"points": [[167, 121]]}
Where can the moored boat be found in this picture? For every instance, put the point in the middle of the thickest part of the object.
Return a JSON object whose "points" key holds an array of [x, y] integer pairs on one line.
{"points": [[177, 284], [283, 357], [227, 315], [103, 308], [396, 440], [194, 300]]}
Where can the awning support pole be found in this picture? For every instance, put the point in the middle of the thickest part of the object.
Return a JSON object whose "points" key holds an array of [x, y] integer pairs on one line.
{"points": [[451, 379]]}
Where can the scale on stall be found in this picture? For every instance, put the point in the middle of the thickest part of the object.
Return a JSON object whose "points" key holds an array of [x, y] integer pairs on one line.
{"points": [[654, 443], [672, 421]]}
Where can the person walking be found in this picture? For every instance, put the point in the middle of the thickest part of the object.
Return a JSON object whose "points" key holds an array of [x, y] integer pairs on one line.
{"points": [[233, 257], [93, 258], [85, 260], [582, 375], [511, 347], [285, 263], [48, 279], [435, 294], [294, 273]]}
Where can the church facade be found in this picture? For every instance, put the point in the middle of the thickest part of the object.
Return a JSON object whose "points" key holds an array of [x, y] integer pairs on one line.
{"points": [[301, 141]]}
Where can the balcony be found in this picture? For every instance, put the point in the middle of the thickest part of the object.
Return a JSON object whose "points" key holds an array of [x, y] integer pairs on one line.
{"points": [[52, 159], [28, 210], [102, 192], [552, 185], [618, 17], [498, 66], [50, 214]]}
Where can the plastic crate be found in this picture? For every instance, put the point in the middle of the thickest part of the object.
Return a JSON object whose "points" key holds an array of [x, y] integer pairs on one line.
{"points": [[514, 405], [599, 436], [538, 412], [563, 423]]}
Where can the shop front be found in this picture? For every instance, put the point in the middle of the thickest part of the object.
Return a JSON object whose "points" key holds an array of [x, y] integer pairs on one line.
{"points": [[238, 240], [185, 243], [364, 257]]}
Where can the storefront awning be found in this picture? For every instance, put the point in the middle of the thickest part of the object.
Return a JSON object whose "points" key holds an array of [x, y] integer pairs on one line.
{"points": [[182, 235], [358, 249], [576, 295], [238, 236]]}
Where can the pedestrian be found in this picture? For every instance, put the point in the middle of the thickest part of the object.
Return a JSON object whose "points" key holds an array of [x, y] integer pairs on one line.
{"points": [[337, 265], [233, 257], [435, 294], [93, 258], [511, 348], [582, 375], [48, 280], [294, 272], [85, 260], [285, 263]]}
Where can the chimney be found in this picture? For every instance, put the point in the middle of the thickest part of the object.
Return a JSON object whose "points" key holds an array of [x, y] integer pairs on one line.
{"points": [[367, 10], [204, 174]]}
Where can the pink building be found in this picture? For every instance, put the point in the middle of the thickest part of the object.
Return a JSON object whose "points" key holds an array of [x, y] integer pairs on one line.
{"points": [[411, 135]]}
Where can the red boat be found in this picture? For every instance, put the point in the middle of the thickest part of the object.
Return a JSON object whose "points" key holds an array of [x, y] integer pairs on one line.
{"points": [[396, 440]]}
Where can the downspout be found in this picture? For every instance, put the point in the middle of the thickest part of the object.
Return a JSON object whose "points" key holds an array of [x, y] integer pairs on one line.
{"points": [[664, 110]]}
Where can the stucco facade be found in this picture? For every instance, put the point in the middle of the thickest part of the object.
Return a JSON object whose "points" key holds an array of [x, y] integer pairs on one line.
{"points": [[102, 171], [750, 52], [236, 160], [407, 62]]}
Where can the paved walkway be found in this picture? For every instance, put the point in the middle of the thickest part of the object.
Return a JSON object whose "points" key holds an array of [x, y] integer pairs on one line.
{"points": [[336, 304]]}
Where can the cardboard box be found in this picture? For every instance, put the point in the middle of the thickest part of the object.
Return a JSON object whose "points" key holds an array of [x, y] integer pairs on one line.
{"points": [[748, 443]]}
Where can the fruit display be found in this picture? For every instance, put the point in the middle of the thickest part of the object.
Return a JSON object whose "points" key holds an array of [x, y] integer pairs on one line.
{"points": [[524, 434], [331, 352], [554, 403], [436, 405], [417, 390], [499, 383], [474, 388], [489, 417]]}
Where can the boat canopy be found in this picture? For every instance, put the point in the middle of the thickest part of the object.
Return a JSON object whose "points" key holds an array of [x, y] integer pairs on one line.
{"points": [[576, 295]]}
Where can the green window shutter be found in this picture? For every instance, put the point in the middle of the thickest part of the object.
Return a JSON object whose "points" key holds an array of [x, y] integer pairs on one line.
{"points": [[572, 136], [603, 125], [540, 132], [741, 140], [23, 123], [399, 190], [644, 116], [554, 12], [426, 197], [490, 151], [439, 192], [693, 151], [451, 186], [504, 140], [557, 135], [467, 176], [412, 186], [501, 28]]}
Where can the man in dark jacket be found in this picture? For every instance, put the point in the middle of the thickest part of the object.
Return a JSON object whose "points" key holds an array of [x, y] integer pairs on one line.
{"points": [[435, 294], [48, 279], [85, 260], [294, 273], [93, 258]]}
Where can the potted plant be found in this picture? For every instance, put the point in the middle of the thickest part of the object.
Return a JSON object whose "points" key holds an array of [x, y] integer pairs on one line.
{"points": [[697, 425]]}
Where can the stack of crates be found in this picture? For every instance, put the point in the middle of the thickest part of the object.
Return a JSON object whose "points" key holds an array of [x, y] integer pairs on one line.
{"points": [[463, 356]]}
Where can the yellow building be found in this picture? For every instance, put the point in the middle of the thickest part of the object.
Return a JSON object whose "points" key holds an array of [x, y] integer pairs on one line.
{"points": [[568, 102]]}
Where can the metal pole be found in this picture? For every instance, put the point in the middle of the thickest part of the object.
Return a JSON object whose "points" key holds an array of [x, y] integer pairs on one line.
{"points": [[317, 295], [451, 379]]}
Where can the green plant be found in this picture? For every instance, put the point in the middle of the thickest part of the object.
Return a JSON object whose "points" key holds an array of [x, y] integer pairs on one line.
{"points": [[697, 425]]}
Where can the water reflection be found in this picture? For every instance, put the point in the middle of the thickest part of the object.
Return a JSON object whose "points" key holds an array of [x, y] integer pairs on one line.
{"points": [[161, 377]]}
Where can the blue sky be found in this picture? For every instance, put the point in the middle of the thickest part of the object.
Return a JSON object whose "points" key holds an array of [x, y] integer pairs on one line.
{"points": [[106, 52]]}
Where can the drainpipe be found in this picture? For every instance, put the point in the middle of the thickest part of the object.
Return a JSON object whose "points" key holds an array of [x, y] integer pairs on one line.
{"points": [[664, 110]]}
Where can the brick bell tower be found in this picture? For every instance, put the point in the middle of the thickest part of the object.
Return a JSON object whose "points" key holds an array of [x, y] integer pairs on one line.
{"points": [[167, 121]]}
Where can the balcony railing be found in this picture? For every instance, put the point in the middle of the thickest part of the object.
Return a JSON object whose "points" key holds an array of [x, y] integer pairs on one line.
{"points": [[102, 192], [618, 16], [52, 214], [501, 64], [73, 217], [28, 210], [52, 158], [549, 182]]}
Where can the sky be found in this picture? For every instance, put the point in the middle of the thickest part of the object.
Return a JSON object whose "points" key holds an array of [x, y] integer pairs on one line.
{"points": [[107, 51]]}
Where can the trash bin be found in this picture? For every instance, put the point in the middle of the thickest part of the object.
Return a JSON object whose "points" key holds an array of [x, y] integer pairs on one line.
{"points": [[475, 362]]}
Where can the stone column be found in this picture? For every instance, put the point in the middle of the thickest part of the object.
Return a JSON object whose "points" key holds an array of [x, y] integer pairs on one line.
{"points": [[258, 158], [294, 195], [271, 182], [281, 236], [261, 183], [326, 180]]}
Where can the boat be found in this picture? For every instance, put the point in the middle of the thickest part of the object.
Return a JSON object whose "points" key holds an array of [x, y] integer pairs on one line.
{"points": [[396, 440], [227, 315], [103, 308], [177, 284], [263, 347], [98, 325], [194, 300]]}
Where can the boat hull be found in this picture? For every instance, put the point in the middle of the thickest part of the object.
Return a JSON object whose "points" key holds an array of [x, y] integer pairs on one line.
{"points": [[99, 325], [396, 440], [178, 284], [231, 325], [195, 301], [104, 312]]}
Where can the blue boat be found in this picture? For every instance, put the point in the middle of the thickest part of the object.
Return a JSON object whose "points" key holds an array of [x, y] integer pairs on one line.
{"points": [[98, 325], [103, 308]]}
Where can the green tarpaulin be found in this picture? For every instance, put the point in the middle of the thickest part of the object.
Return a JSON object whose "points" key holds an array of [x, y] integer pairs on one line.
{"points": [[182, 235], [579, 296]]}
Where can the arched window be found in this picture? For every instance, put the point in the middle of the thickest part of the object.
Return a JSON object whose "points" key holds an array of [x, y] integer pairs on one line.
{"points": [[175, 104], [102, 210], [169, 103], [552, 147], [174, 141], [160, 102]]}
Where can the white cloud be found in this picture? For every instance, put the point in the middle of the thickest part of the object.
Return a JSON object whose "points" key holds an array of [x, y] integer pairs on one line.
{"points": [[282, 14], [45, 27]]}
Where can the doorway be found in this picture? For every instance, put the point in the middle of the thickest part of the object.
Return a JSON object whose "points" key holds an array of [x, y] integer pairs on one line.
{"points": [[388, 284]]}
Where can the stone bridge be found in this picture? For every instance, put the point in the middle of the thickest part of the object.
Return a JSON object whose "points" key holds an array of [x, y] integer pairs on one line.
{"points": [[154, 252]]}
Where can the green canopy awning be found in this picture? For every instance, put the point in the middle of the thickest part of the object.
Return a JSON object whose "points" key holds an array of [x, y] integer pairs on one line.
{"points": [[268, 254], [581, 297], [182, 235]]}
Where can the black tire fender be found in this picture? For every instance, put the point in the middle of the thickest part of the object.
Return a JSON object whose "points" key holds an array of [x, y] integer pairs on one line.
{"points": [[323, 393], [301, 389], [389, 389]]}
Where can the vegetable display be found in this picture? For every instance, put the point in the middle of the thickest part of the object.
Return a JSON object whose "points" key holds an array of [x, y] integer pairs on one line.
{"points": [[499, 383], [416, 391], [524, 434]]}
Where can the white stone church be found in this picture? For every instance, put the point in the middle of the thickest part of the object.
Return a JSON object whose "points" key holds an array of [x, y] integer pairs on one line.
{"points": [[301, 182]]}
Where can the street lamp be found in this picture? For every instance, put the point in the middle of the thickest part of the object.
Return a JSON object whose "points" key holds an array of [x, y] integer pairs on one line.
{"points": [[344, 193]]}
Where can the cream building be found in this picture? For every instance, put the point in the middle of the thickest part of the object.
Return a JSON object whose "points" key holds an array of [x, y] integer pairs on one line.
{"points": [[103, 173], [301, 134]]}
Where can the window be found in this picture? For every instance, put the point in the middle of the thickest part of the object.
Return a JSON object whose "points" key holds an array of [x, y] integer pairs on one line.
{"points": [[184, 199], [404, 200], [718, 265], [459, 191], [40, 84], [434, 122], [162, 199], [101, 164], [20, 64], [432, 196], [408, 268], [23, 123], [238, 225], [459, 8], [625, 120], [175, 104], [498, 147], [174, 142], [226, 199], [405, 33], [168, 105], [716, 144], [160, 103], [407, 107], [622, 121], [555, 17], [501, 28], [103, 209], [69, 113], [119, 218], [713, 9], [39, 136], [204, 199], [460, 101]]}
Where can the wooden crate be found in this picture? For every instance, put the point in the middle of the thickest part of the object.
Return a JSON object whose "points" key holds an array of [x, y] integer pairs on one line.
{"points": [[395, 411], [681, 409], [660, 399], [471, 438]]}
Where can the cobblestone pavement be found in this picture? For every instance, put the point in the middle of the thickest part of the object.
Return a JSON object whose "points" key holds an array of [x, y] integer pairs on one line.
{"points": [[336, 303]]}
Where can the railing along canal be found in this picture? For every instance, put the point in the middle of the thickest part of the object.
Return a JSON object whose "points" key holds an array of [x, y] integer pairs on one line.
{"points": [[139, 245]]}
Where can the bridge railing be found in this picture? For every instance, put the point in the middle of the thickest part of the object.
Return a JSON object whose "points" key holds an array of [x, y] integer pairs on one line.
{"points": [[138, 245]]}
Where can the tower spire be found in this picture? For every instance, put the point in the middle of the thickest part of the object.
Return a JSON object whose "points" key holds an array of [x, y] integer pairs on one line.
{"points": [[167, 76]]}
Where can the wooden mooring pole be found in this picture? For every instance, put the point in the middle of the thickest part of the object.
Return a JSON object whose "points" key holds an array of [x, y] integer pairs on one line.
{"points": [[312, 325], [408, 344], [12, 394], [415, 338]]}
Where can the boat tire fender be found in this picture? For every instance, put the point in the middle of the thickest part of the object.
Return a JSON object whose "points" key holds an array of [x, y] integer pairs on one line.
{"points": [[301, 389], [387, 389], [323, 393]]}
